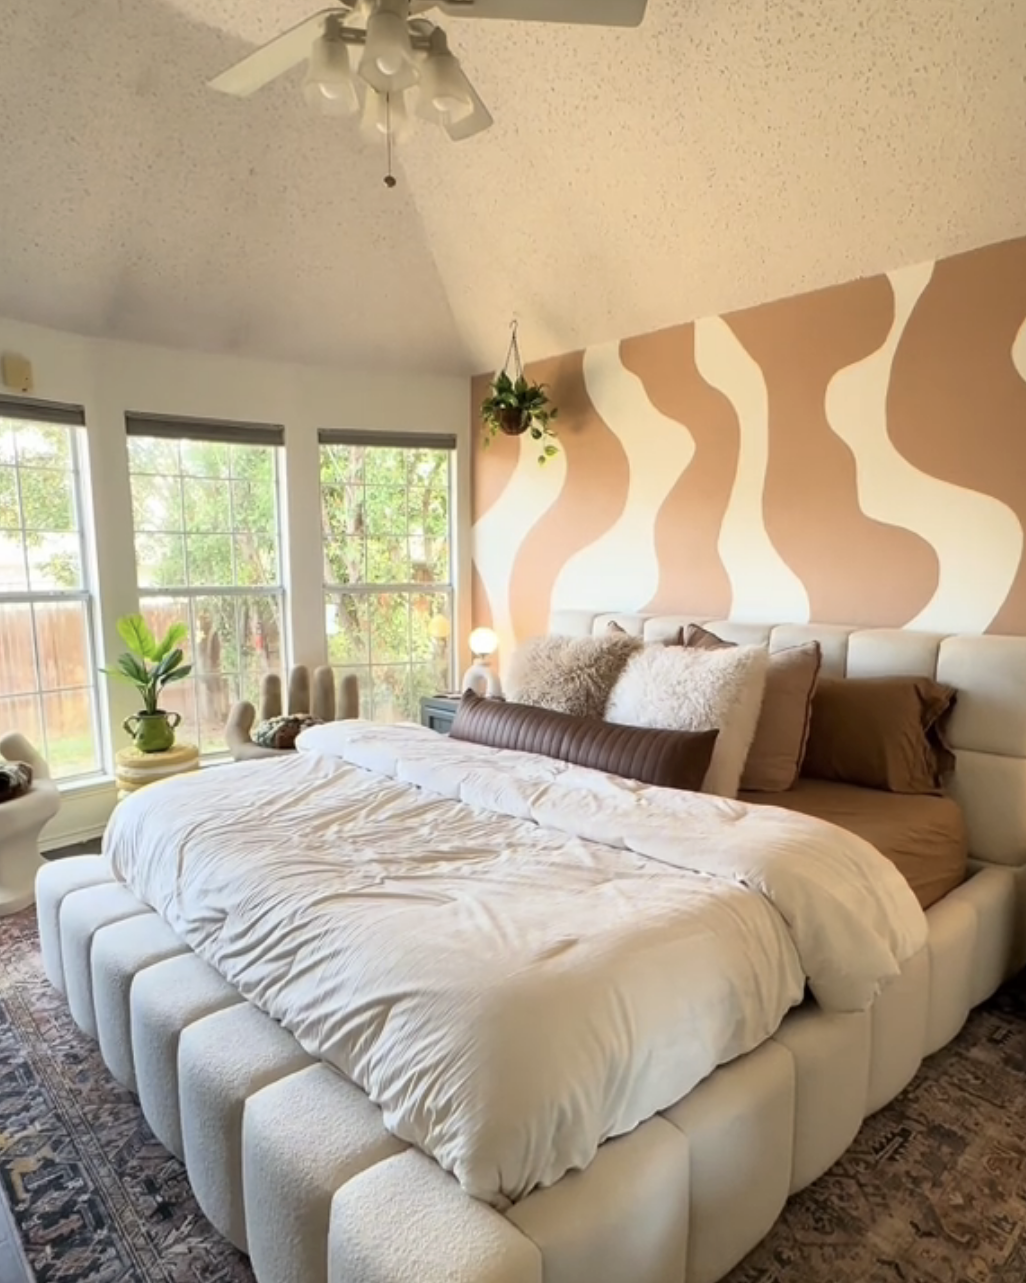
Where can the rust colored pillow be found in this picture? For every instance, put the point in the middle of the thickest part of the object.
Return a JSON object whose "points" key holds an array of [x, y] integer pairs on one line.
{"points": [[778, 748], [881, 733], [671, 759]]}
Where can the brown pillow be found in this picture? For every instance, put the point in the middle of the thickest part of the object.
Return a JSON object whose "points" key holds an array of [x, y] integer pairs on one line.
{"points": [[775, 757], [671, 759], [881, 733]]}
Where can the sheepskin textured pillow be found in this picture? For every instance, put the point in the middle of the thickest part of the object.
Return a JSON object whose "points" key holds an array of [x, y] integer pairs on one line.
{"points": [[697, 690], [569, 674]]}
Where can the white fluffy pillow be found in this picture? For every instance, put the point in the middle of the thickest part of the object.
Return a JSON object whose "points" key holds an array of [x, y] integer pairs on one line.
{"points": [[696, 690]]}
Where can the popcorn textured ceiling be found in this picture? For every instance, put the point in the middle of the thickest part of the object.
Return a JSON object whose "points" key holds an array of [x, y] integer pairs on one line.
{"points": [[725, 153]]}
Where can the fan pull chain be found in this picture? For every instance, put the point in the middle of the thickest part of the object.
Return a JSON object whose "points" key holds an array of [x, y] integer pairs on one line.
{"points": [[390, 178]]}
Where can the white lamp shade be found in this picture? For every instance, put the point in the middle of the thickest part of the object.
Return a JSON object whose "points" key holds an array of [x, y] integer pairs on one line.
{"points": [[387, 64], [483, 641], [445, 92], [384, 114], [329, 86]]}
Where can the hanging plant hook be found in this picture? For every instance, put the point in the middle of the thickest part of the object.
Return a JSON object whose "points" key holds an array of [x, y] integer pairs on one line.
{"points": [[513, 352]]}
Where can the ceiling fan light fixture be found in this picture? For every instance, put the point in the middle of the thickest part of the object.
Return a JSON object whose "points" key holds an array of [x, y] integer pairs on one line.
{"points": [[445, 92], [388, 63], [329, 85], [385, 115]]}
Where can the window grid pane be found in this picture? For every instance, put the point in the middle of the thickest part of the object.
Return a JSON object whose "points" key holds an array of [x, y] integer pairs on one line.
{"points": [[388, 572], [46, 635], [212, 560]]}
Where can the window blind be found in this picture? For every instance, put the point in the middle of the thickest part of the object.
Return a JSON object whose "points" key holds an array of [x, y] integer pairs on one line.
{"points": [[16, 407], [387, 440], [178, 427]]}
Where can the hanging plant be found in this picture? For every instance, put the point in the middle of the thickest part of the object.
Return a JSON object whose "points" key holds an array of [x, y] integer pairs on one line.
{"points": [[515, 405]]}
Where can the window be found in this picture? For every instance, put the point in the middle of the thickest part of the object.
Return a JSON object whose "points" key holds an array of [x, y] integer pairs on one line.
{"points": [[47, 671], [208, 550], [385, 505]]}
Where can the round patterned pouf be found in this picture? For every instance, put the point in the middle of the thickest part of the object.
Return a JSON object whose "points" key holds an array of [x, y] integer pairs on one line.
{"points": [[134, 770]]}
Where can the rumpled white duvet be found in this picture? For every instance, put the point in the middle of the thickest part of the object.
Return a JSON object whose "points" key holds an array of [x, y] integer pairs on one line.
{"points": [[515, 958]]}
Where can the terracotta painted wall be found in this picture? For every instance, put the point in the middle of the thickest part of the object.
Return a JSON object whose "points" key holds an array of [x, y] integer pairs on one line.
{"points": [[856, 455]]}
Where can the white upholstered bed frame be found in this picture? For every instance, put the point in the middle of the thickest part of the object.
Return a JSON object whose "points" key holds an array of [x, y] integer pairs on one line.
{"points": [[292, 1164]]}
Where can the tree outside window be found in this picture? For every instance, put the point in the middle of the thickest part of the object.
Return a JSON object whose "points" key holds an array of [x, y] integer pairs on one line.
{"points": [[47, 673], [208, 552], [385, 512]]}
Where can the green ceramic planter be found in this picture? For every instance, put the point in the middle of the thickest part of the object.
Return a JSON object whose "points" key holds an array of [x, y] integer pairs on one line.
{"points": [[152, 732]]}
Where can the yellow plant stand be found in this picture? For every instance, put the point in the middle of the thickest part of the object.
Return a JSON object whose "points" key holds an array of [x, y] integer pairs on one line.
{"points": [[134, 770]]}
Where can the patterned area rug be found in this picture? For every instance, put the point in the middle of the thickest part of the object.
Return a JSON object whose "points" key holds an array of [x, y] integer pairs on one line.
{"points": [[933, 1191], [96, 1198]]}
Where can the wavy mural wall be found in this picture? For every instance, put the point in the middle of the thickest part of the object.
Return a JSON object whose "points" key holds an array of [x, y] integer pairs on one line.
{"points": [[855, 455]]}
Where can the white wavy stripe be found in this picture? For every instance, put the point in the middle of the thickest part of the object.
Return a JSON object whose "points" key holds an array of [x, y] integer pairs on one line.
{"points": [[1019, 351], [620, 570], [496, 538], [978, 539], [763, 585]]}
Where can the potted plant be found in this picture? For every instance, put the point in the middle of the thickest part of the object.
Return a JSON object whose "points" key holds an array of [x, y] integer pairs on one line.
{"points": [[514, 405], [149, 666]]}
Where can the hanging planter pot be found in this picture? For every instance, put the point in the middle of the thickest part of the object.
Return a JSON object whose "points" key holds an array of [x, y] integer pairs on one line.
{"points": [[514, 405], [512, 421]]}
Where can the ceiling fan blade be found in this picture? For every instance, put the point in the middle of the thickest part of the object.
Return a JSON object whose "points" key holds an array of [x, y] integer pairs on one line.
{"points": [[603, 13], [476, 122], [274, 58]]}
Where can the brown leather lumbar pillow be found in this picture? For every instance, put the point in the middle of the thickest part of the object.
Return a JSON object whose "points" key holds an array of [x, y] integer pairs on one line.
{"points": [[778, 749], [671, 759], [881, 733]]}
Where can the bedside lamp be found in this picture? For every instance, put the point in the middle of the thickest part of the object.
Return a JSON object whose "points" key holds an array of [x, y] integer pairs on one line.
{"points": [[479, 677]]}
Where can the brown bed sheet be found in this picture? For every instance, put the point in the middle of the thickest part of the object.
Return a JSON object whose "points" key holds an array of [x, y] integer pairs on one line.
{"points": [[923, 835]]}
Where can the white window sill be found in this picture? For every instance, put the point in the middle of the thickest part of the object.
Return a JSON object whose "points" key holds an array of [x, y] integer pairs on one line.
{"points": [[84, 785]]}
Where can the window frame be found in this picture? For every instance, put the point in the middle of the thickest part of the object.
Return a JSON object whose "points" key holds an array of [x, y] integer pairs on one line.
{"points": [[223, 432], [71, 418], [366, 589]]}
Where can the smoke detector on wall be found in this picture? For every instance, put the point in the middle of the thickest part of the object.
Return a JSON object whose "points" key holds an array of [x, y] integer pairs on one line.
{"points": [[397, 55]]}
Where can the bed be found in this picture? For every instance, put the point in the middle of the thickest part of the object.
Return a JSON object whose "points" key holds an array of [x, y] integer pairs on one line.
{"points": [[923, 836], [293, 1163]]}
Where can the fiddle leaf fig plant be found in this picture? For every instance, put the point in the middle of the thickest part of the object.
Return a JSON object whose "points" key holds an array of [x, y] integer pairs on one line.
{"points": [[516, 405], [149, 665]]}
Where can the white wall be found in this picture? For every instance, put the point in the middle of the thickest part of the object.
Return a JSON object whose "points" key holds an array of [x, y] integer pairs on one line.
{"points": [[108, 378]]}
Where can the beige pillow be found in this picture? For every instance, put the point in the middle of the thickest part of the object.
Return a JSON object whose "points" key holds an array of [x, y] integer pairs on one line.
{"points": [[696, 690], [569, 674], [782, 734]]}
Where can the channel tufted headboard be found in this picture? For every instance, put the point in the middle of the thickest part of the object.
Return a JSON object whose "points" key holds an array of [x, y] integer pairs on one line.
{"points": [[987, 729]]}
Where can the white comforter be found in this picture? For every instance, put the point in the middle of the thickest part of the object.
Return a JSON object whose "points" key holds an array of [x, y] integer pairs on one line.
{"points": [[514, 958]]}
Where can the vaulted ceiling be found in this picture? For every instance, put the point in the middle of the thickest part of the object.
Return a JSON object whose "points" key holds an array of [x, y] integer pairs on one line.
{"points": [[725, 153]]}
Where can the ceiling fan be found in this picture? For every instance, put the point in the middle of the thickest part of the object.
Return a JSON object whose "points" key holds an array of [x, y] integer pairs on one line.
{"points": [[399, 50]]}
